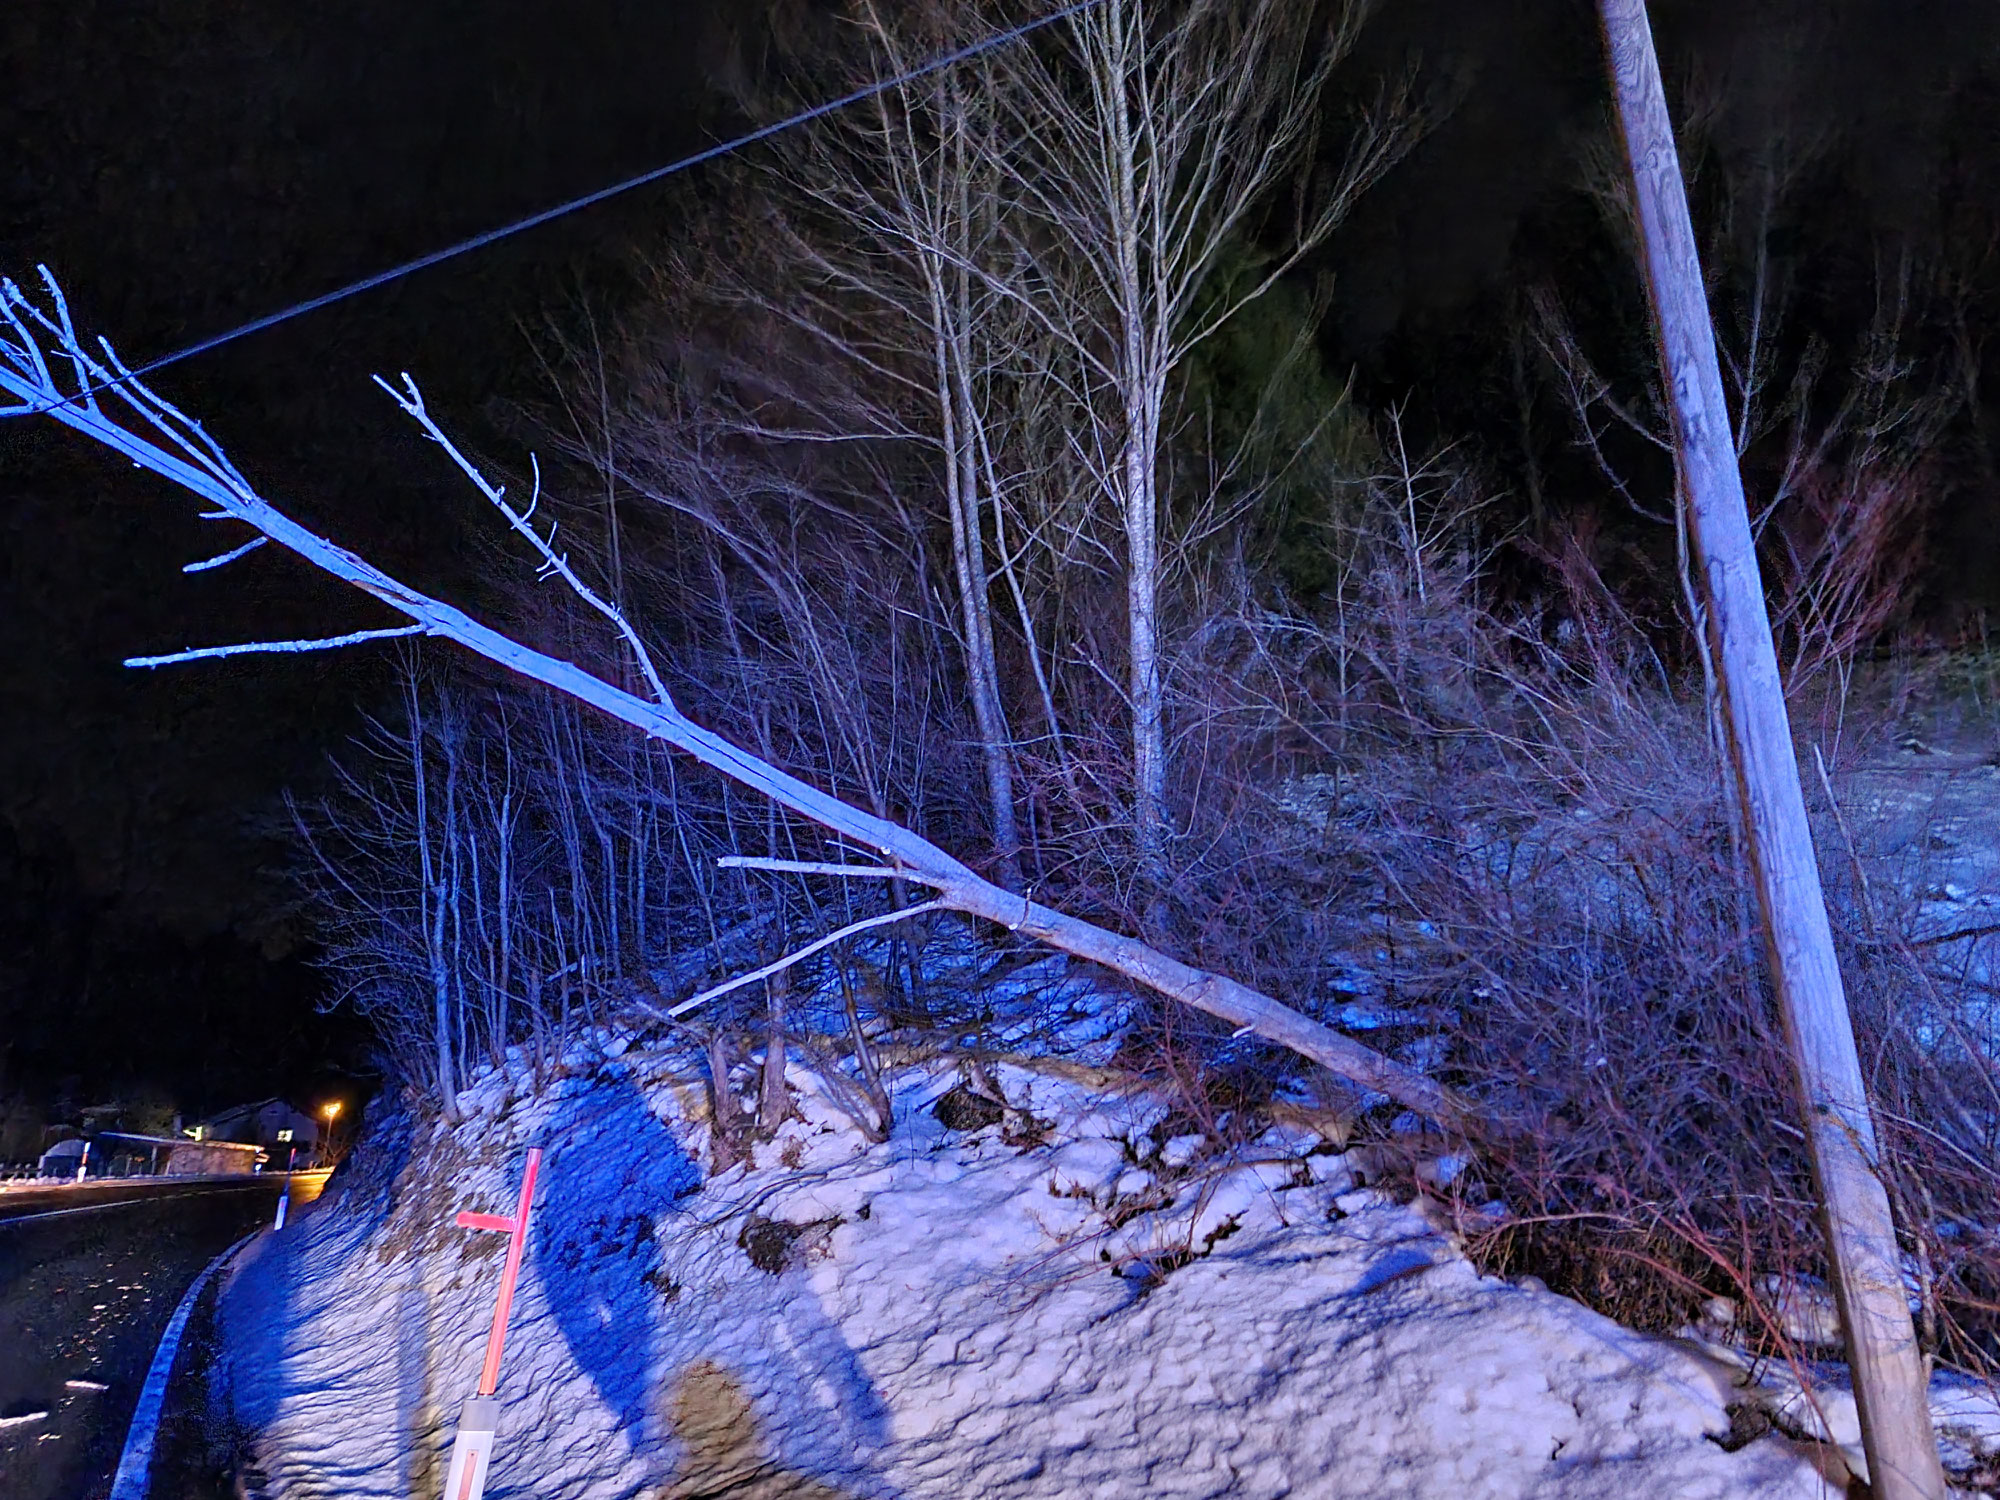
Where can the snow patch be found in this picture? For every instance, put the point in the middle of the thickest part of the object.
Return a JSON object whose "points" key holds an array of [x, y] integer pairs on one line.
{"points": [[942, 1314]]}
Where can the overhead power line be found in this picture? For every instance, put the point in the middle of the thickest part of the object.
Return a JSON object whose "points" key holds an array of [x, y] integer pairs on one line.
{"points": [[711, 153]]}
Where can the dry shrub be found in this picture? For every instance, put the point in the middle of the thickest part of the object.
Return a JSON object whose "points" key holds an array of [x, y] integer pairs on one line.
{"points": [[1501, 841], [1544, 818]]}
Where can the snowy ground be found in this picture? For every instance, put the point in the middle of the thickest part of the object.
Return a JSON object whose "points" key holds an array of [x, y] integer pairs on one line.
{"points": [[1085, 1310], [1924, 823]]}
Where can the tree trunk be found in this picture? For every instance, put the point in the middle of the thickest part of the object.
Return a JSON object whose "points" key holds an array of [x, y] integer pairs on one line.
{"points": [[433, 913], [1888, 1369], [958, 417], [1132, 201], [1142, 608], [774, 1102], [864, 1054], [727, 1130]]}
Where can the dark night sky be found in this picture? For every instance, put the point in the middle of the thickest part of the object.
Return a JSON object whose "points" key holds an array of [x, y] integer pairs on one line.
{"points": [[186, 166]]}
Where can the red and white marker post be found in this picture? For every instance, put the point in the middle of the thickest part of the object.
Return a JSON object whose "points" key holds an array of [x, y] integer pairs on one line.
{"points": [[285, 1198], [472, 1449]]}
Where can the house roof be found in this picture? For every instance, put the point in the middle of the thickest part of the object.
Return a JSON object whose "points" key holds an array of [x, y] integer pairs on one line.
{"points": [[168, 1140], [244, 1111]]}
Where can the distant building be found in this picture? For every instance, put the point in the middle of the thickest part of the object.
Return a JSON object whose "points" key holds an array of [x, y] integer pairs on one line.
{"points": [[118, 1154], [273, 1124], [207, 1158], [63, 1158]]}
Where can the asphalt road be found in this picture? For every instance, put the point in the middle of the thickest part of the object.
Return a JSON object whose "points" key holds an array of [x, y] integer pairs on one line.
{"points": [[84, 1298]]}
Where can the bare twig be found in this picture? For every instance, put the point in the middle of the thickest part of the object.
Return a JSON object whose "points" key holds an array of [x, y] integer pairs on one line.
{"points": [[880, 919], [252, 648], [226, 558], [810, 867]]}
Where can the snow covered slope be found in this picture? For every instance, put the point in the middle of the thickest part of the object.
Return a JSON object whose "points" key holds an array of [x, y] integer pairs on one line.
{"points": [[1078, 1312]]}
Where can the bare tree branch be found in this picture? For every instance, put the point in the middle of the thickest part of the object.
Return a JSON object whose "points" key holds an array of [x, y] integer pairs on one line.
{"points": [[880, 919], [226, 558], [811, 867], [411, 400], [250, 648]]}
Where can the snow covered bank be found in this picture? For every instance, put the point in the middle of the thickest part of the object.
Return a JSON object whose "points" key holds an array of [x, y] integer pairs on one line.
{"points": [[1083, 1311]]}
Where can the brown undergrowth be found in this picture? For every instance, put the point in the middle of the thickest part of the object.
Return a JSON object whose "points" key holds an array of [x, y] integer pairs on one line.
{"points": [[1501, 842]]}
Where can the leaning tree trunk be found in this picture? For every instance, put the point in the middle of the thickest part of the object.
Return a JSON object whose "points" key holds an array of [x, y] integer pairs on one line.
{"points": [[66, 380], [1888, 1368]]}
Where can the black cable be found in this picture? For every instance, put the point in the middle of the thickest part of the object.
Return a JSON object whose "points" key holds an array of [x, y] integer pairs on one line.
{"points": [[479, 241]]}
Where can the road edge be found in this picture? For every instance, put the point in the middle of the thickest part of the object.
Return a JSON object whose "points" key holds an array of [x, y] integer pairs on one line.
{"points": [[136, 1460]]}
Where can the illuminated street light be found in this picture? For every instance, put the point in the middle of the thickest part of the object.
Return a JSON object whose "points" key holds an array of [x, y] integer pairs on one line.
{"points": [[331, 1111]]}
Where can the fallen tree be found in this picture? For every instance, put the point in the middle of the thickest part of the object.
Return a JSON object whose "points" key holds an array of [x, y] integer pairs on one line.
{"points": [[47, 367]]}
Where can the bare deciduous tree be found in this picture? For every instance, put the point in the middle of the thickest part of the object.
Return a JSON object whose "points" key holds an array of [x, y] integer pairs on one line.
{"points": [[1035, 251], [489, 870], [1146, 150]]}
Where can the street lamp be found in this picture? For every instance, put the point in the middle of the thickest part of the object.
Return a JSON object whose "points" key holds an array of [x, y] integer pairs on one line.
{"points": [[331, 1109]]}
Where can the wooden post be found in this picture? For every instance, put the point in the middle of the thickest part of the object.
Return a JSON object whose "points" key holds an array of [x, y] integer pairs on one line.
{"points": [[1889, 1374]]}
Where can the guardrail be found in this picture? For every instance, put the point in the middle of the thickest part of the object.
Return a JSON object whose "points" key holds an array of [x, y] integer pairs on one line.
{"points": [[23, 1200], [71, 1185]]}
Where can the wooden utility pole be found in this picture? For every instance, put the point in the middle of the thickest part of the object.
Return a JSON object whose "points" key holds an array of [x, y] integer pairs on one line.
{"points": [[1890, 1383]]}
